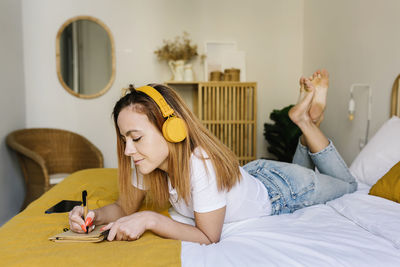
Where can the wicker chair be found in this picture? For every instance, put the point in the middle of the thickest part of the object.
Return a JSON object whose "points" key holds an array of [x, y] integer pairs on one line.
{"points": [[45, 155]]}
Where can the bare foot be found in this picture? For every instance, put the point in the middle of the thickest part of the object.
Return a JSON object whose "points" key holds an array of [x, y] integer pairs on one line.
{"points": [[320, 81], [300, 113], [303, 90]]}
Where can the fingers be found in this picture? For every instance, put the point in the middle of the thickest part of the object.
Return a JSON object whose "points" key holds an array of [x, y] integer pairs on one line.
{"points": [[120, 233], [112, 233], [77, 228], [89, 218], [108, 226], [120, 236], [76, 222]]}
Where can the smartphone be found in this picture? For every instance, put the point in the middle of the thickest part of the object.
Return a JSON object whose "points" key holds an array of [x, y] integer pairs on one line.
{"points": [[63, 206]]}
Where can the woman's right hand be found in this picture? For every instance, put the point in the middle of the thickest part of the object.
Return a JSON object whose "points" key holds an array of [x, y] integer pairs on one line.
{"points": [[76, 222]]}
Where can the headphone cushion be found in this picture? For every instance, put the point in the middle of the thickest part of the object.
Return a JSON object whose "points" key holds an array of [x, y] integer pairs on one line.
{"points": [[174, 130]]}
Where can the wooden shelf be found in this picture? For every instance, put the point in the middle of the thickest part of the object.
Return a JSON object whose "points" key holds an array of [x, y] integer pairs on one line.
{"points": [[212, 82], [228, 110], [183, 83]]}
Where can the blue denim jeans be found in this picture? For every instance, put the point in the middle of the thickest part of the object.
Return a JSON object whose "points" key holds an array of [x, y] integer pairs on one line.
{"points": [[292, 186]]}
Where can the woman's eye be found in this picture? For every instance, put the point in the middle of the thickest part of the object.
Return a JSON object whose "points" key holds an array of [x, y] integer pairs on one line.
{"points": [[137, 139]]}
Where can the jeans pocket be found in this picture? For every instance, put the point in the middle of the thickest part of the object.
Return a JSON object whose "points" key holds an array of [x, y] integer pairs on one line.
{"points": [[295, 180]]}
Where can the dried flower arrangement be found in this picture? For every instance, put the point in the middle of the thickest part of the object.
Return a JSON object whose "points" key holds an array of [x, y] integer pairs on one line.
{"points": [[180, 48]]}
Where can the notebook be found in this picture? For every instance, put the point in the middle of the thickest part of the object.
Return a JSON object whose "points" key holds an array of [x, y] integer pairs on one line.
{"points": [[95, 236]]}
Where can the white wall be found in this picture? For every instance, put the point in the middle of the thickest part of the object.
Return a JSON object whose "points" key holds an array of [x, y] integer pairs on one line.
{"points": [[269, 31], [12, 106], [358, 41]]}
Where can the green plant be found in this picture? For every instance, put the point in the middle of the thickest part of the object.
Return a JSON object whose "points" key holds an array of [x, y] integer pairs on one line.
{"points": [[283, 135], [180, 48]]}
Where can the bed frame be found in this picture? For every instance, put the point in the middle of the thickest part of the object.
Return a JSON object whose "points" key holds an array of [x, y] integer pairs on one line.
{"points": [[395, 101]]}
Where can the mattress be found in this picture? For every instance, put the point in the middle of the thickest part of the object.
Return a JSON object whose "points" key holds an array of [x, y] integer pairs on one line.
{"points": [[354, 230], [334, 234]]}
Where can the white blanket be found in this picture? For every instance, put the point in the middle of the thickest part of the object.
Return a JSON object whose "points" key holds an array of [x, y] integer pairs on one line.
{"points": [[377, 215], [314, 236]]}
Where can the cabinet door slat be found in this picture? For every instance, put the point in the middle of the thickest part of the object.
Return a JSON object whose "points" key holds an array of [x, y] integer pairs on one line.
{"points": [[228, 110]]}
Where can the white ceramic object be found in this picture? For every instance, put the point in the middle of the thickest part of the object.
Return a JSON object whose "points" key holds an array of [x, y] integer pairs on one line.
{"points": [[188, 73], [177, 68]]}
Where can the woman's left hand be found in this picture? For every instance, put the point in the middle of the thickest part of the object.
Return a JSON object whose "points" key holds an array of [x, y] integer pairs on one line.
{"points": [[129, 227]]}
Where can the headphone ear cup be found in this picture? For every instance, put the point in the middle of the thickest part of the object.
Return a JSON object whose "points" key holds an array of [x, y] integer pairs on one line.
{"points": [[174, 130]]}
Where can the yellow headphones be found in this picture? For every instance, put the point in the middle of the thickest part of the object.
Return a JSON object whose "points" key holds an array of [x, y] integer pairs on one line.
{"points": [[174, 128]]}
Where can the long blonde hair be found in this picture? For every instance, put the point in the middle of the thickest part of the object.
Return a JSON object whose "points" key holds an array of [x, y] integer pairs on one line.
{"points": [[223, 160]]}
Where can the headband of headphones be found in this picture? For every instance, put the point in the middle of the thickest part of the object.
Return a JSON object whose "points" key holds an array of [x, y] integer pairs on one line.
{"points": [[166, 110], [174, 128]]}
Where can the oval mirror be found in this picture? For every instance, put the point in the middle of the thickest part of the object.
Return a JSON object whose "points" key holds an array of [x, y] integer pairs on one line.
{"points": [[85, 57]]}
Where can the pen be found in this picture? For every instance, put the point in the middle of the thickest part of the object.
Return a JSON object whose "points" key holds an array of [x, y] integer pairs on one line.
{"points": [[85, 208]]}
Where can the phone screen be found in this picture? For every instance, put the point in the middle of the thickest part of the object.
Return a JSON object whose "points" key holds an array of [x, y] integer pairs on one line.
{"points": [[63, 206]]}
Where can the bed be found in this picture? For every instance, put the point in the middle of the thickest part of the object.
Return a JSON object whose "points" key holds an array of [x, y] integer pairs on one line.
{"points": [[357, 229]]}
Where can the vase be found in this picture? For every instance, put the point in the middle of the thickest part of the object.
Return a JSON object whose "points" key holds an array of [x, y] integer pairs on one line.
{"points": [[188, 75], [177, 68]]}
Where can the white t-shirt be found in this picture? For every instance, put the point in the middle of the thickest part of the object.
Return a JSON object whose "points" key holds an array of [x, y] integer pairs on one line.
{"points": [[246, 199]]}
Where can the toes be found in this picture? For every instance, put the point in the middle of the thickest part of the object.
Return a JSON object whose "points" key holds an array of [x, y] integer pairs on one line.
{"points": [[308, 85], [325, 78], [324, 73], [316, 74], [302, 89]]}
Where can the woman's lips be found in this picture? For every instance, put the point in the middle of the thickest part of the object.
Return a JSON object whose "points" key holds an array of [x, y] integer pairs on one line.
{"points": [[137, 161]]}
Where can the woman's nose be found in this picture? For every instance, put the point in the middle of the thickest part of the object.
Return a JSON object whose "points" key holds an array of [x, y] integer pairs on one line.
{"points": [[130, 148]]}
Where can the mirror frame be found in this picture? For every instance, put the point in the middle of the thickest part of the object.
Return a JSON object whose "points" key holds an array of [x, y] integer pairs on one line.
{"points": [[58, 63]]}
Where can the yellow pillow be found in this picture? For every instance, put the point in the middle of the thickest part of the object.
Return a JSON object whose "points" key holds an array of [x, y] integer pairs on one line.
{"points": [[389, 185]]}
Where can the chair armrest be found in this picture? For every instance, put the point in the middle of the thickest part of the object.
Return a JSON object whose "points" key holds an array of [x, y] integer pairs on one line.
{"points": [[26, 152], [34, 171]]}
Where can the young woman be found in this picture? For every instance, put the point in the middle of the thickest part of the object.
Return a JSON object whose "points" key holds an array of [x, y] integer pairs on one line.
{"points": [[201, 177]]}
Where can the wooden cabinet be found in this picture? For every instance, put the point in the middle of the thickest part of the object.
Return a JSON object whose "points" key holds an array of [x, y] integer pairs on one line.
{"points": [[228, 110]]}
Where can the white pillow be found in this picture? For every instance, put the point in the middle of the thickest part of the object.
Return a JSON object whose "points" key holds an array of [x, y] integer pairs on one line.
{"points": [[380, 154]]}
